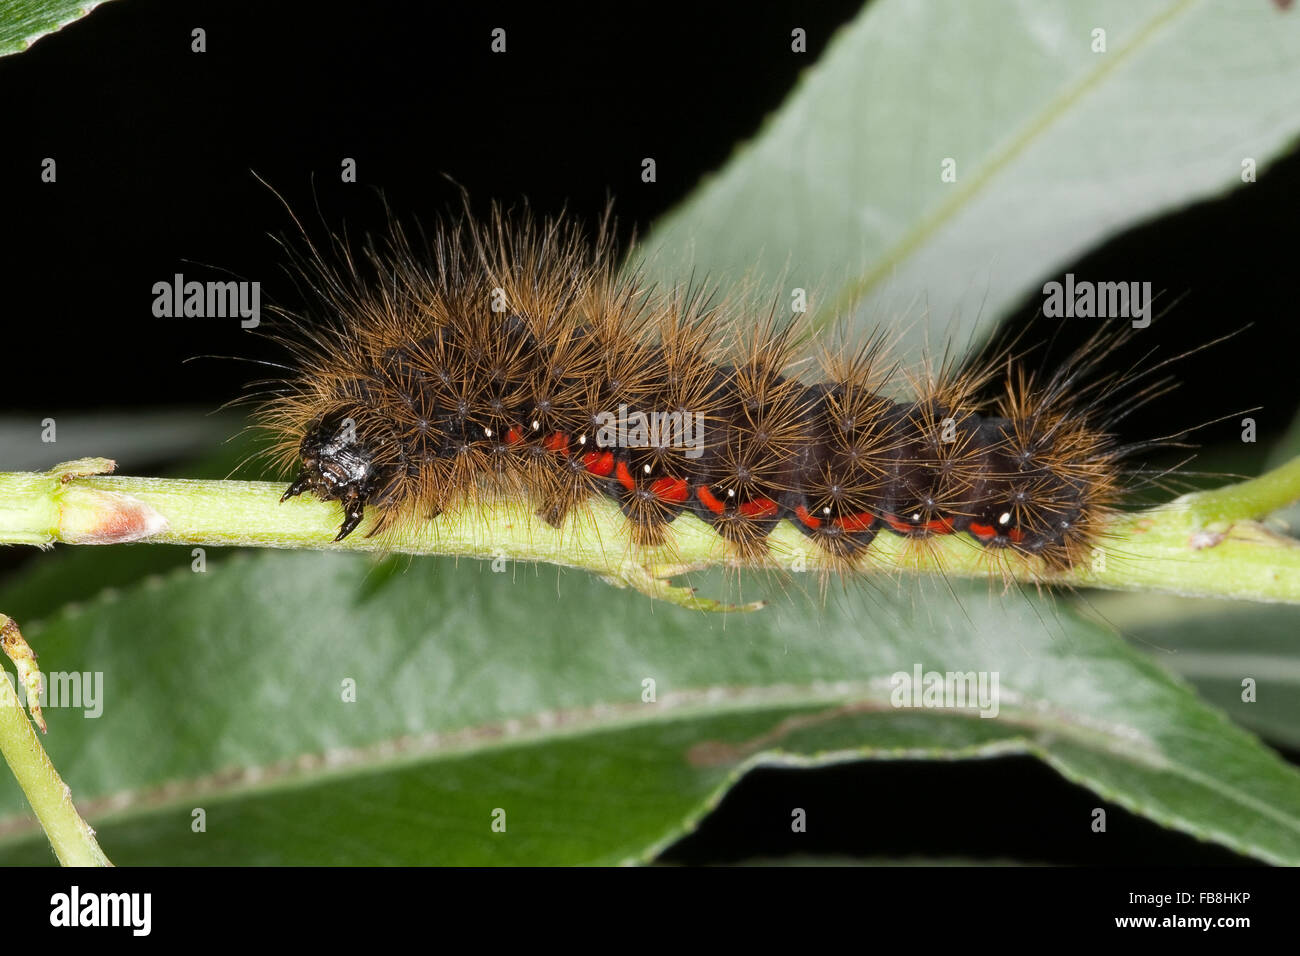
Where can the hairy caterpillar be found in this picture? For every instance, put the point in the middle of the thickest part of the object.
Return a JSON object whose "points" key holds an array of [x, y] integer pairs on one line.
{"points": [[496, 362]]}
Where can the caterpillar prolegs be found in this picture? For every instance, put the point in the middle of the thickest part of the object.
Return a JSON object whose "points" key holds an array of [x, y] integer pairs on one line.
{"points": [[514, 359]]}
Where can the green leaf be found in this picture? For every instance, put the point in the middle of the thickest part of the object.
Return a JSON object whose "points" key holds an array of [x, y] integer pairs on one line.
{"points": [[1056, 147], [23, 22], [132, 439], [224, 691], [1218, 645]]}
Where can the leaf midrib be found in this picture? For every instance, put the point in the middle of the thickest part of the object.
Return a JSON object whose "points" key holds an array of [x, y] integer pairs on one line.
{"points": [[1001, 158], [1035, 717]]}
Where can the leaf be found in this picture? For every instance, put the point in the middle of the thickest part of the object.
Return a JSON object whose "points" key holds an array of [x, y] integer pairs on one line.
{"points": [[1056, 149], [1216, 645], [23, 22], [224, 691], [135, 439]]}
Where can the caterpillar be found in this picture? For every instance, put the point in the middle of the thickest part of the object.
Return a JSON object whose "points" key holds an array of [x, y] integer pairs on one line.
{"points": [[513, 358]]}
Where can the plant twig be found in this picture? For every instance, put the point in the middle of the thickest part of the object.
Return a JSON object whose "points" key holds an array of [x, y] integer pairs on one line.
{"points": [[71, 837], [1204, 544]]}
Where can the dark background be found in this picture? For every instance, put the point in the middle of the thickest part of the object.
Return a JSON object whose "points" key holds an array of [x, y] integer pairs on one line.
{"points": [[156, 148]]}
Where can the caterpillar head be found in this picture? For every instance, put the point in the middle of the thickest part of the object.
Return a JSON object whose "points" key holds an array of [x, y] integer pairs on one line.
{"points": [[337, 465]]}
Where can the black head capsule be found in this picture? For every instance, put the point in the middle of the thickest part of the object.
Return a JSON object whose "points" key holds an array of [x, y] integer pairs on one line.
{"points": [[337, 466]]}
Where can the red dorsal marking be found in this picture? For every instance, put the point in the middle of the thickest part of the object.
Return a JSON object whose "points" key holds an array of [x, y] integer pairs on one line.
{"points": [[710, 502], [758, 508], [862, 521], [558, 443], [671, 489], [515, 435], [937, 526], [624, 476], [802, 514], [898, 524], [599, 463], [986, 532]]}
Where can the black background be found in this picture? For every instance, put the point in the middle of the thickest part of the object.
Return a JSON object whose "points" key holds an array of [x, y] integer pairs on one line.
{"points": [[156, 148]]}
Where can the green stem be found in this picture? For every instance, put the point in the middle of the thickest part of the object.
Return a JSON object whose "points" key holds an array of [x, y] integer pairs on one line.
{"points": [[1255, 498], [71, 837], [1202, 544]]}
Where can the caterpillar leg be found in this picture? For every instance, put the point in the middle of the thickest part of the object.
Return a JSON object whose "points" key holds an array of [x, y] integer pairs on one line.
{"points": [[353, 502]]}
